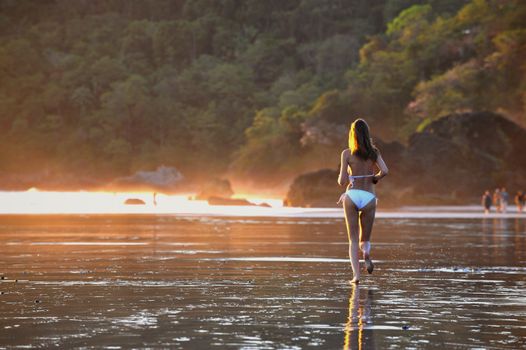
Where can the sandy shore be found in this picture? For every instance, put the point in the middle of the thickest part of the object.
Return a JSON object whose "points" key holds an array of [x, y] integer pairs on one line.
{"points": [[165, 281]]}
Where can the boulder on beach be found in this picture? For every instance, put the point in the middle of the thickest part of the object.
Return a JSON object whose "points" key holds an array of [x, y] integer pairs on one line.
{"points": [[219, 192], [134, 201], [164, 179], [228, 201], [315, 189], [215, 187], [461, 155]]}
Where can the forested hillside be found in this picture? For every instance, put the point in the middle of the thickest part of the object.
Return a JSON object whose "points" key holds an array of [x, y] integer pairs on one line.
{"points": [[251, 89]]}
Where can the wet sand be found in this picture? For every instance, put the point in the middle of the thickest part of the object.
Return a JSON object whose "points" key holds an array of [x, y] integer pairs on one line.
{"points": [[159, 281]]}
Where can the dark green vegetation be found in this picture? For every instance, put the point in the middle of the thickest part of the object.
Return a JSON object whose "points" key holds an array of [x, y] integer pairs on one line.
{"points": [[262, 90]]}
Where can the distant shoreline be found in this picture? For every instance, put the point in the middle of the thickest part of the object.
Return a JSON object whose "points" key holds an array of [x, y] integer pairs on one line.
{"points": [[446, 212]]}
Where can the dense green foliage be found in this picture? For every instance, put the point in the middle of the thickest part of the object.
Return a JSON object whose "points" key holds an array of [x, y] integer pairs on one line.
{"points": [[104, 88], [427, 64]]}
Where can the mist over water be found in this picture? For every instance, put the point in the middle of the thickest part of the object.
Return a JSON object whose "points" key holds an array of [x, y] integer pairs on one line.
{"points": [[202, 282]]}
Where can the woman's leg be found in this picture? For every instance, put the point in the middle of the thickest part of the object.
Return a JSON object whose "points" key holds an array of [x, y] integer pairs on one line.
{"points": [[366, 227], [351, 219]]}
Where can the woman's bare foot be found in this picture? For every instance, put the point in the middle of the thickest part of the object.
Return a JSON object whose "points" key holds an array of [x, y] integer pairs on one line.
{"points": [[369, 263]]}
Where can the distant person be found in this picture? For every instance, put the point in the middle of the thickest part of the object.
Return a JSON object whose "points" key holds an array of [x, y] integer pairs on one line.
{"points": [[504, 199], [496, 200], [486, 201], [520, 199], [358, 163]]}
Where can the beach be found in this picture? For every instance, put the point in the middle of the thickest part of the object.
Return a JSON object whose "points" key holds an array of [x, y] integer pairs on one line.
{"points": [[187, 174], [159, 281]]}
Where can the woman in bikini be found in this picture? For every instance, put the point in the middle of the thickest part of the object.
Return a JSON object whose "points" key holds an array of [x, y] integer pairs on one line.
{"points": [[358, 164]]}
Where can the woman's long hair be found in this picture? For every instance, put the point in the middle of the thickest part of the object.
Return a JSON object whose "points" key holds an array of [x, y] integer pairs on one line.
{"points": [[360, 141]]}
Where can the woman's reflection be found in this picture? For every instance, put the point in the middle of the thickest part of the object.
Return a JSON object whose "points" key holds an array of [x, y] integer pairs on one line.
{"points": [[357, 321]]}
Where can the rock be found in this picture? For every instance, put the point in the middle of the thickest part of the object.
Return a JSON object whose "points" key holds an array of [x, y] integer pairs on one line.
{"points": [[265, 205], [228, 201], [395, 154], [215, 188], [164, 179], [460, 156], [316, 189], [134, 201]]}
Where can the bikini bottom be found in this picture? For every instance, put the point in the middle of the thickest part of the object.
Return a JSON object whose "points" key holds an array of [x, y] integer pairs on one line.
{"points": [[360, 198]]}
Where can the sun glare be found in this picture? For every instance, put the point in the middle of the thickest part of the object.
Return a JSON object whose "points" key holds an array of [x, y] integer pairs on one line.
{"points": [[42, 202]]}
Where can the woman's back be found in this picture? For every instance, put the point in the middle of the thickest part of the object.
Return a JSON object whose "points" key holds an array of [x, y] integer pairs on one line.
{"points": [[361, 167]]}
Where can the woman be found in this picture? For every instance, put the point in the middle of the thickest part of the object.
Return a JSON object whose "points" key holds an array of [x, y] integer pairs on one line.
{"points": [[359, 201]]}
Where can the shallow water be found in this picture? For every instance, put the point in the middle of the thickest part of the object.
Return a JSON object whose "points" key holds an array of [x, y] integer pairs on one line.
{"points": [[259, 283]]}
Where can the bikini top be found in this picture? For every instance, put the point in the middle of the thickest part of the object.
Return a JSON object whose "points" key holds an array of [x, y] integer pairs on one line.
{"points": [[353, 177]]}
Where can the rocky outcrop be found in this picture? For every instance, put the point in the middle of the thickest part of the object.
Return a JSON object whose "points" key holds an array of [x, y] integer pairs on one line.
{"points": [[164, 179], [134, 201], [317, 189], [219, 192], [452, 161], [459, 156], [228, 201], [219, 188]]}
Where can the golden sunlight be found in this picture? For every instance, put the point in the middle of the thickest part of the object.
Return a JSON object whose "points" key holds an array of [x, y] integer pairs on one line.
{"points": [[42, 202]]}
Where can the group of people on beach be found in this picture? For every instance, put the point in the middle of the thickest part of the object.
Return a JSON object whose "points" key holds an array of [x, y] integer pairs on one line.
{"points": [[500, 199]]}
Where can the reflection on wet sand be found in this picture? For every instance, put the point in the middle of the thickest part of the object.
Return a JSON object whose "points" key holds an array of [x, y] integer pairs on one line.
{"points": [[358, 320], [258, 283]]}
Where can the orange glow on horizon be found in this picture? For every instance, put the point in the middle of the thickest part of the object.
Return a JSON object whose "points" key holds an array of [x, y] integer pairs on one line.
{"points": [[34, 201], [48, 202]]}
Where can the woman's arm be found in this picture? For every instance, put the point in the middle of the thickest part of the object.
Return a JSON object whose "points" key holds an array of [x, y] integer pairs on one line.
{"points": [[383, 169], [343, 178]]}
